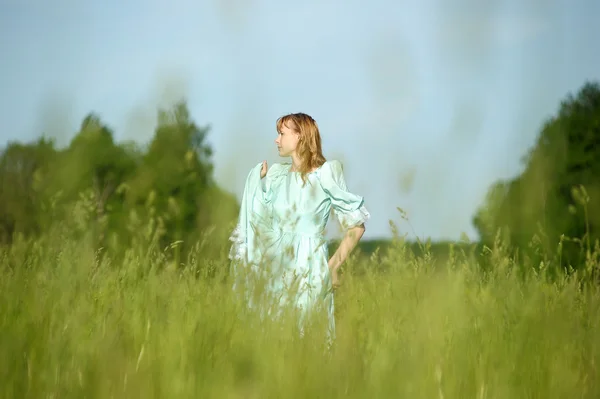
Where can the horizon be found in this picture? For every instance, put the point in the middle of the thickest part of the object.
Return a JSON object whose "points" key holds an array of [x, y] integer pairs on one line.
{"points": [[444, 98]]}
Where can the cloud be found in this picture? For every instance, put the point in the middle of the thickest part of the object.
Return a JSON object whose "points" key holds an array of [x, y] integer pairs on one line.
{"points": [[392, 72], [516, 30], [171, 85], [56, 119], [235, 13]]}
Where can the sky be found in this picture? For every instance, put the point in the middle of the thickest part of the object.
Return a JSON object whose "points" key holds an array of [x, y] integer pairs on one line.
{"points": [[426, 105]]}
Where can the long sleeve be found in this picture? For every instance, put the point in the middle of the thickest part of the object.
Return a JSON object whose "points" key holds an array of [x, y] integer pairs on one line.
{"points": [[254, 212], [348, 207]]}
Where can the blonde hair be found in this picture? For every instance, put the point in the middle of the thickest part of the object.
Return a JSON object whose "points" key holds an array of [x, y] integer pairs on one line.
{"points": [[309, 146]]}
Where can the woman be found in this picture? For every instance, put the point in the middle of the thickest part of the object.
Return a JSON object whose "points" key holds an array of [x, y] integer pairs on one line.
{"points": [[284, 211]]}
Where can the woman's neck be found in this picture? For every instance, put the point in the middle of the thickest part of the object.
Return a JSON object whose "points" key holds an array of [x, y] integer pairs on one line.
{"points": [[296, 163]]}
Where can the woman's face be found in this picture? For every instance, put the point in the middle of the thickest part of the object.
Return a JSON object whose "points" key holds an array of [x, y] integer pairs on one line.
{"points": [[287, 140]]}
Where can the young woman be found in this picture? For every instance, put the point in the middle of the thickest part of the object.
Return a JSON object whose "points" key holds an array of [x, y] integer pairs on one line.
{"points": [[284, 211]]}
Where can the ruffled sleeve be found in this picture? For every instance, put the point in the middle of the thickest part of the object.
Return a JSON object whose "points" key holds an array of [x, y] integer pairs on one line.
{"points": [[254, 213], [253, 209], [348, 207]]}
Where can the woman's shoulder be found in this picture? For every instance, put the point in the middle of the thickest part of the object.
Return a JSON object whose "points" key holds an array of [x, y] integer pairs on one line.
{"points": [[331, 167], [278, 170], [279, 167]]}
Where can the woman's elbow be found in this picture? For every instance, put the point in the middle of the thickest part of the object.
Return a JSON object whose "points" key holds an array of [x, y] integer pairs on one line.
{"points": [[358, 231]]}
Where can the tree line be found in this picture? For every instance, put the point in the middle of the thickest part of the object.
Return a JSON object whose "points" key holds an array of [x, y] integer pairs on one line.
{"points": [[120, 195], [549, 214]]}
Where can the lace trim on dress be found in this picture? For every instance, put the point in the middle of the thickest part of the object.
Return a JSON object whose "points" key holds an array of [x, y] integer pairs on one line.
{"points": [[355, 217], [239, 247]]}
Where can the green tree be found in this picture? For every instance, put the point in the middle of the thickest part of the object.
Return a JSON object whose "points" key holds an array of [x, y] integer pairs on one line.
{"points": [[174, 181], [22, 171], [117, 193], [538, 207], [94, 166]]}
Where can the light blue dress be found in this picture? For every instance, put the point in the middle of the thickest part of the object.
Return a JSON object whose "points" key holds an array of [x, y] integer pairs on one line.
{"points": [[280, 234]]}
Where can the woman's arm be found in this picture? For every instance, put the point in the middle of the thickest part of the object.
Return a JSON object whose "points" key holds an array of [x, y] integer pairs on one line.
{"points": [[352, 237]]}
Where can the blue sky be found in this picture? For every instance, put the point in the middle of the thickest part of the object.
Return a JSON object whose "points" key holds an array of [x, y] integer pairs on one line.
{"points": [[426, 103]]}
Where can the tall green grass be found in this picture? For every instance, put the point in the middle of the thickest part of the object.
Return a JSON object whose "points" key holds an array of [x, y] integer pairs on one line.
{"points": [[74, 324]]}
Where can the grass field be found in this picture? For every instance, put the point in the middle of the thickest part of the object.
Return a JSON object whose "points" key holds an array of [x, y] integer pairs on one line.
{"points": [[72, 326]]}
